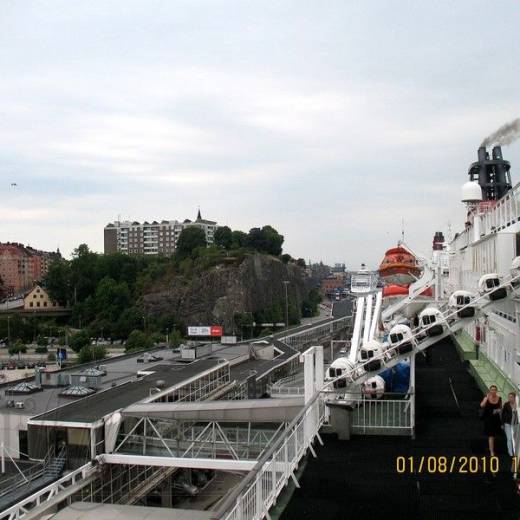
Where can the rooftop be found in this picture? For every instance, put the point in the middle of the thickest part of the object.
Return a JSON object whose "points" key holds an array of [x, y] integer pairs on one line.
{"points": [[93, 408]]}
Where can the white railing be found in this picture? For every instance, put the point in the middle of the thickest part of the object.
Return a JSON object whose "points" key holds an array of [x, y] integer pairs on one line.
{"points": [[257, 493], [275, 390], [301, 338], [25, 506], [383, 414]]}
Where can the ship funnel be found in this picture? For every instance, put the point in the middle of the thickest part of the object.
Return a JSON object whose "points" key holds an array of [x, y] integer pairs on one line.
{"points": [[491, 174], [497, 152]]}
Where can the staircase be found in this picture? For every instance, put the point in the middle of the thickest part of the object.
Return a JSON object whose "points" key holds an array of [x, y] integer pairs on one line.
{"points": [[56, 465]]}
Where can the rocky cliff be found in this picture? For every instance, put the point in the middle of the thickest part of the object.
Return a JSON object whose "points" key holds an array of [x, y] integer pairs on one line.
{"points": [[216, 295]]}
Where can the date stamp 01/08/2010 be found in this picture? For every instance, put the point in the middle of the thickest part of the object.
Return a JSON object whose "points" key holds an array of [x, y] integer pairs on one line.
{"points": [[462, 464]]}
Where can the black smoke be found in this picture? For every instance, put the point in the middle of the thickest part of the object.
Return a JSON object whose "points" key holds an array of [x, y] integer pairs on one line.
{"points": [[506, 134]]}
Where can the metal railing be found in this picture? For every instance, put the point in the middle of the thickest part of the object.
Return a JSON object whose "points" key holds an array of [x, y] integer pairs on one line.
{"points": [[25, 506], [391, 413], [253, 498]]}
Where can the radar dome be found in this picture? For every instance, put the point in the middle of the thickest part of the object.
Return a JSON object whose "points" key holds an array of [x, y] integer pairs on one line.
{"points": [[471, 192]]}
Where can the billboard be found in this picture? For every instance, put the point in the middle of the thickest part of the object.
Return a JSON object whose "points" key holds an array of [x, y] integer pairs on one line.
{"points": [[214, 331]]}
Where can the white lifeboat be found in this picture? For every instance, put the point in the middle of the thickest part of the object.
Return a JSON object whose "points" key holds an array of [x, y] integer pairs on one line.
{"points": [[431, 321], [339, 367], [488, 285], [371, 355], [373, 388], [400, 338], [460, 302]]}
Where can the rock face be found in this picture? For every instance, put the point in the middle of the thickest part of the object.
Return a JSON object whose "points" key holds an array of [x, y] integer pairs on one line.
{"points": [[215, 295]]}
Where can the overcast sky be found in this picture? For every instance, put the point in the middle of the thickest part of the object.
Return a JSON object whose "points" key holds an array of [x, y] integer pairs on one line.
{"points": [[331, 121]]}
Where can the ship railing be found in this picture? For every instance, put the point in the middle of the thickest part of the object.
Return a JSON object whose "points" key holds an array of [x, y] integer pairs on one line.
{"points": [[252, 499], [392, 413]]}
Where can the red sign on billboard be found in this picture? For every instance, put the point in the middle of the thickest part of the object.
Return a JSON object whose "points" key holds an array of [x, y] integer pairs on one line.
{"points": [[216, 330]]}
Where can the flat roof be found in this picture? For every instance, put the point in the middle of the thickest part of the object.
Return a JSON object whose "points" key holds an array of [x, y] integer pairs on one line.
{"points": [[93, 408], [95, 511], [119, 369]]}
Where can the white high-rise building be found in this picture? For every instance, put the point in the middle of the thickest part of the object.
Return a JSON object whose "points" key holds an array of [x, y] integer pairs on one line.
{"points": [[155, 238]]}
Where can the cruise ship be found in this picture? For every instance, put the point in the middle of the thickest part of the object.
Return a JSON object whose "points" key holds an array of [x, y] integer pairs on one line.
{"points": [[489, 242]]}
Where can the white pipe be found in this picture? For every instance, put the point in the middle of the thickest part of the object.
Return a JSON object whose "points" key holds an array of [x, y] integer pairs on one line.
{"points": [[354, 344], [368, 319], [375, 317]]}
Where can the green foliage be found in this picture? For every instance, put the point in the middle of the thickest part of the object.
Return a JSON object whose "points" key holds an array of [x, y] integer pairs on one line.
{"points": [[129, 320], [41, 349], [190, 240], [301, 262], [265, 240], [17, 347], [239, 239], [223, 237], [42, 341], [286, 258], [175, 339], [310, 304], [137, 340], [79, 340], [92, 353], [57, 282]]}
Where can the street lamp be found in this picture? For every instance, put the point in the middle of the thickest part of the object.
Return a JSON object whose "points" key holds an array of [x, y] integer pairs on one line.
{"points": [[286, 283], [8, 332]]}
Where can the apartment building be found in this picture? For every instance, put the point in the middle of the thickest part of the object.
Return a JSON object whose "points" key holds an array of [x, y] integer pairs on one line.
{"points": [[21, 266], [151, 238]]}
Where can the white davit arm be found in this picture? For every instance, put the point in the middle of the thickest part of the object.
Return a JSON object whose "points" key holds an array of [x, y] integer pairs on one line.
{"points": [[368, 318], [375, 317], [357, 329]]}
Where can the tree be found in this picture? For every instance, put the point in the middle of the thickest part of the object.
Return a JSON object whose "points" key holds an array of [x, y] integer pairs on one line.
{"points": [[223, 237], [42, 341], [286, 258], [87, 354], [301, 262], [57, 282], [17, 348], [79, 340], [239, 239], [137, 340], [190, 239], [175, 339], [265, 240]]}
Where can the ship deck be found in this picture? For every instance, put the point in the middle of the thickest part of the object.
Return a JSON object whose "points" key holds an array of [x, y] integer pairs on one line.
{"points": [[358, 478]]}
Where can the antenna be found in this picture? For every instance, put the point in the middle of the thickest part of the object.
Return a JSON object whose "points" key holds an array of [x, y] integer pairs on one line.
{"points": [[402, 231]]}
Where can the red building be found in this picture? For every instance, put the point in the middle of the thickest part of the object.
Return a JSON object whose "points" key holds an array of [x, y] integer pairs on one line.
{"points": [[330, 284], [21, 267]]}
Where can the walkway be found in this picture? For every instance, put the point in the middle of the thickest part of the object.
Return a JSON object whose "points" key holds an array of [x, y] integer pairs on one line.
{"points": [[358, 479]]}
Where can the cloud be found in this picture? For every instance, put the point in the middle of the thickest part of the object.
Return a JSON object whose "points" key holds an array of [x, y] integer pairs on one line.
{"points": [[285, 113]]}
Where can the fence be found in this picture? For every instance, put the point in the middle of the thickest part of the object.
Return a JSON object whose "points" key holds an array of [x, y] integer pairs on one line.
{"points": [[392, 414], [253, 498]]}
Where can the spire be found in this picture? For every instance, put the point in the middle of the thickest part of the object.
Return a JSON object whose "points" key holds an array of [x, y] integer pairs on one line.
{"points": [[198, 215]]}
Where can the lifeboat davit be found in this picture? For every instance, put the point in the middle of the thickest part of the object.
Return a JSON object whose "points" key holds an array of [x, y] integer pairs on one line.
{"points": [[399, 267]]}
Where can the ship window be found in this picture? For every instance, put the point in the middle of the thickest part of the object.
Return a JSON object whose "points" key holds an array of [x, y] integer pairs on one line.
{"points": [[518, 244], [428, 320], [394, 338]]}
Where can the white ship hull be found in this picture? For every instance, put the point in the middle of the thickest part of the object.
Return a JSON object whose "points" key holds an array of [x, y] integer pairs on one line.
{"points": [[489, 245]]}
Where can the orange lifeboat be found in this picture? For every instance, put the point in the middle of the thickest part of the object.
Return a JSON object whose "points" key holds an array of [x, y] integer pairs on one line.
{"points": [[399, 267]]}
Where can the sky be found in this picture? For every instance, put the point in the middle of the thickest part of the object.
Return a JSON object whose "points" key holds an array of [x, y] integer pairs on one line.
{"points": [[333, 121]]}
